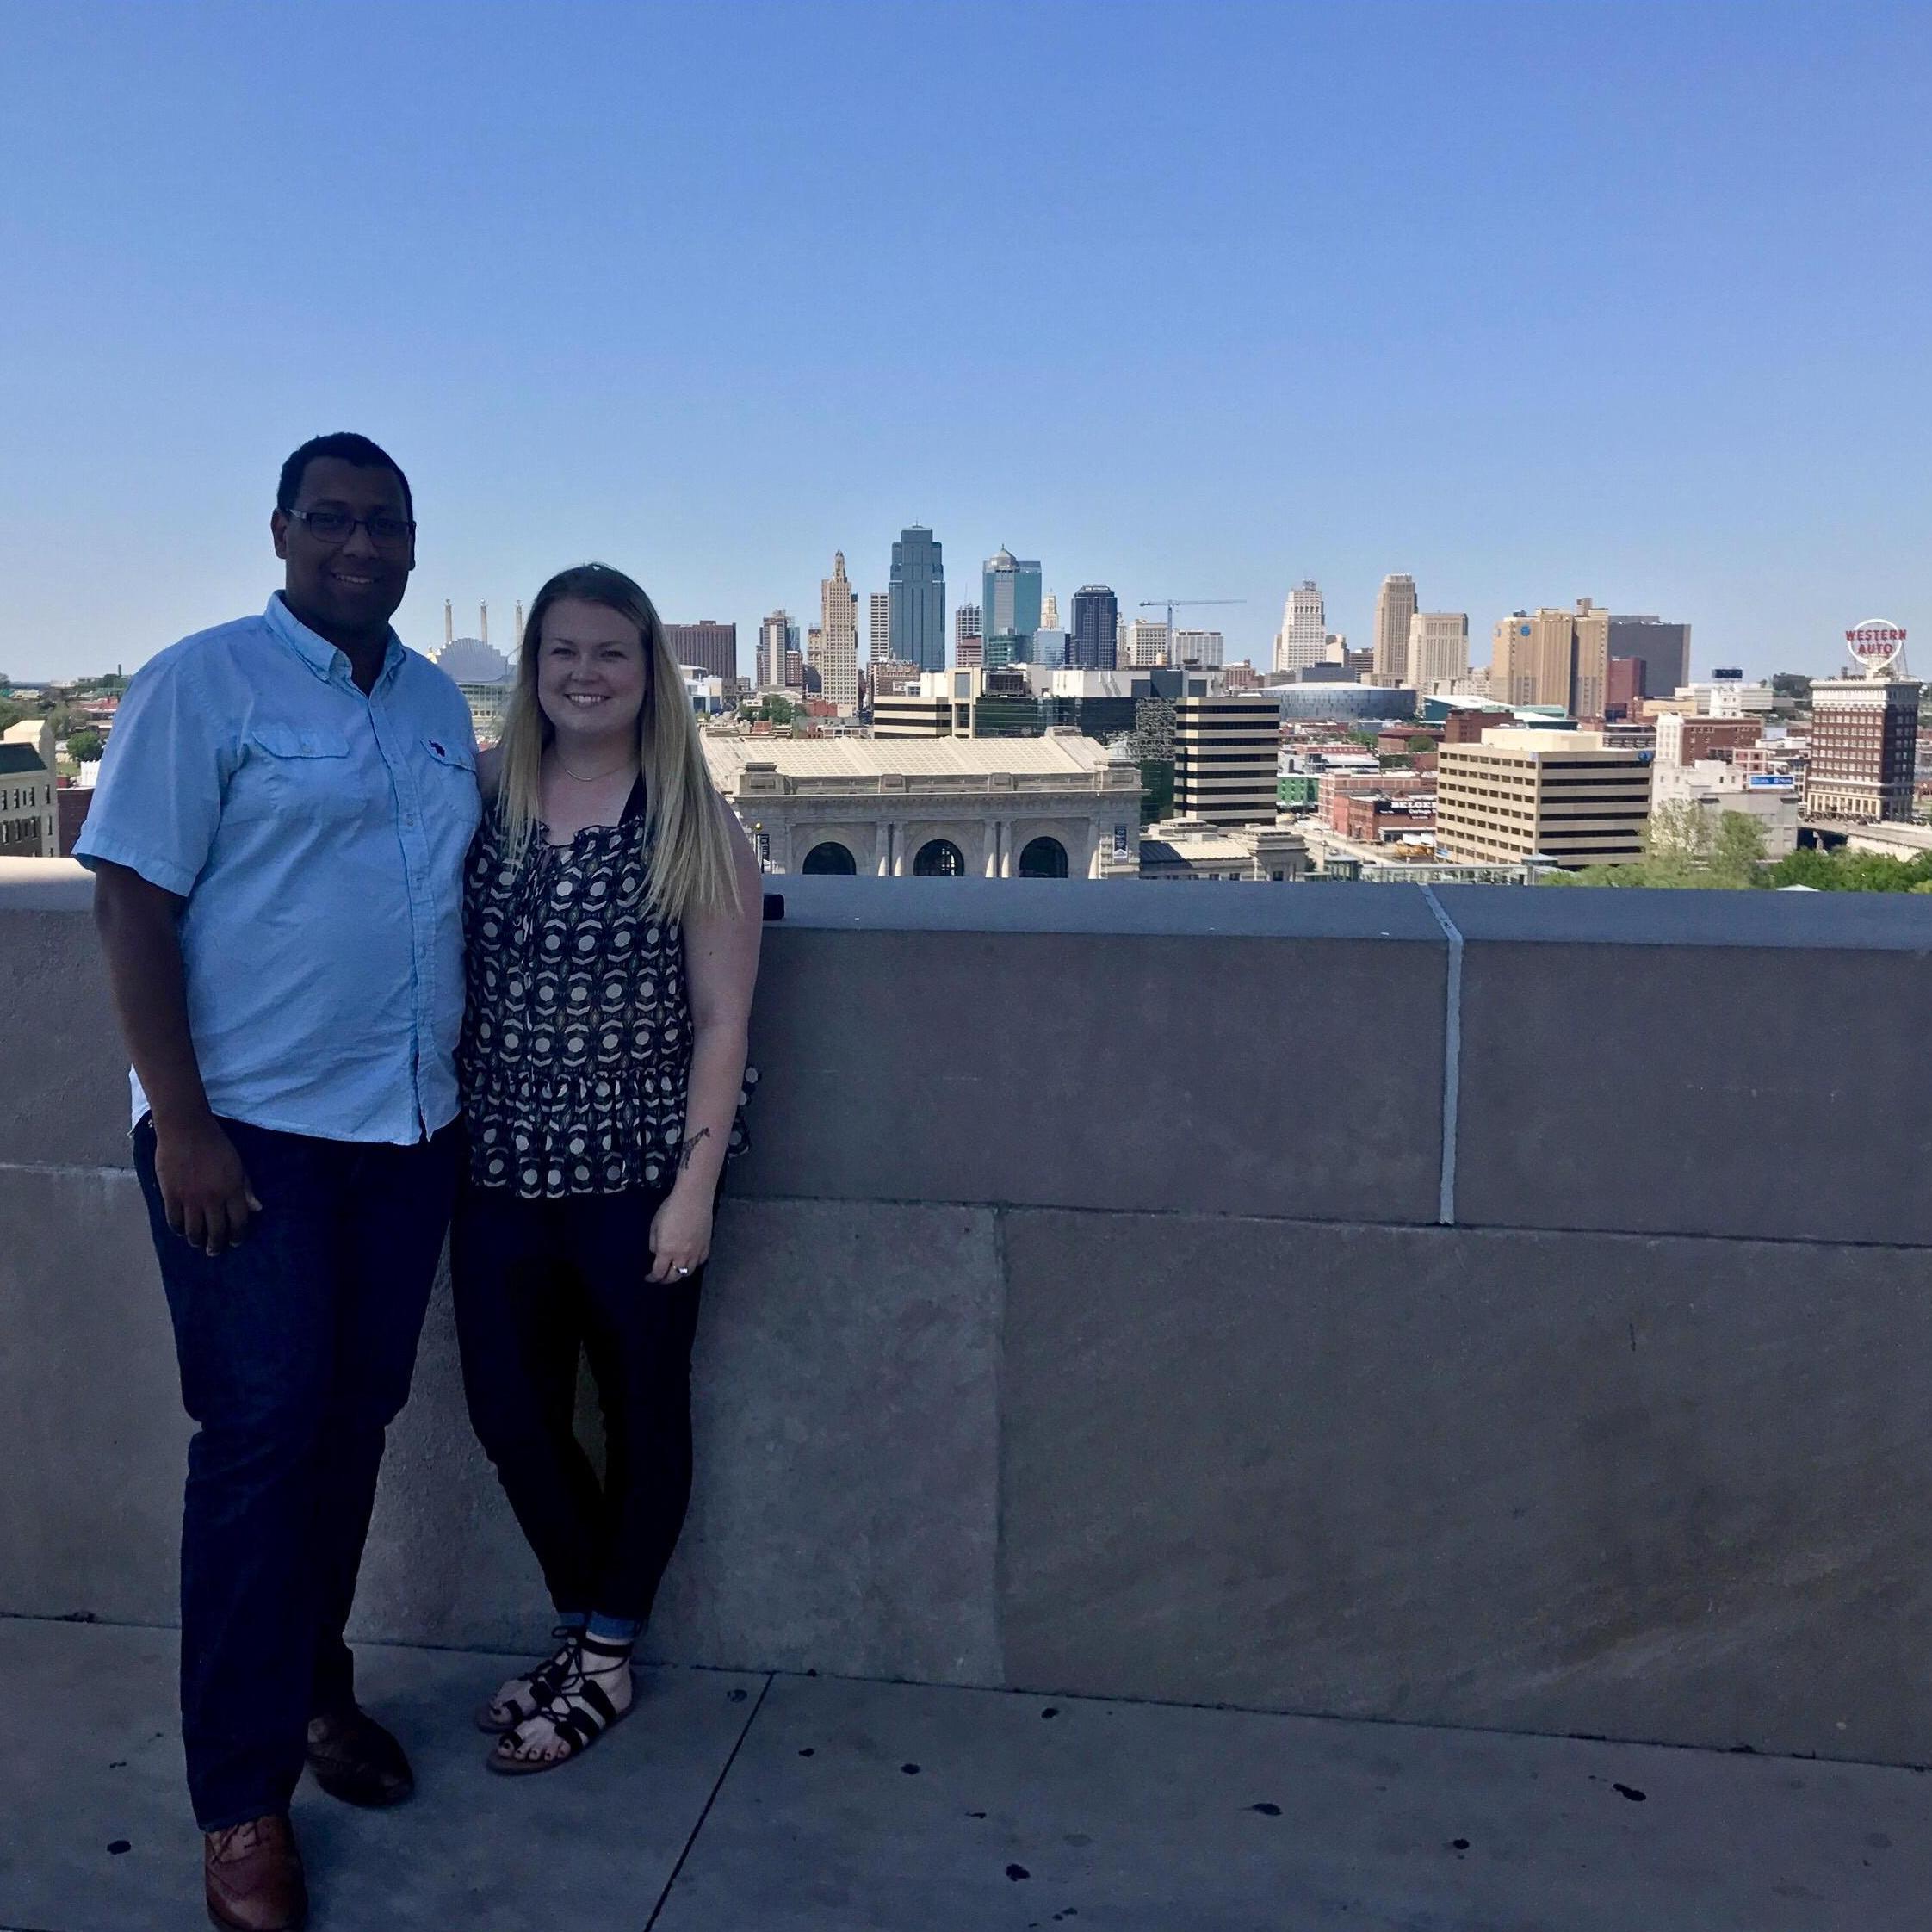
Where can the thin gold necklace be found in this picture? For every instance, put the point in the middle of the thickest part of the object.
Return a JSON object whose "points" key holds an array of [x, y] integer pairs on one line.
{"points": [[595, 778]]}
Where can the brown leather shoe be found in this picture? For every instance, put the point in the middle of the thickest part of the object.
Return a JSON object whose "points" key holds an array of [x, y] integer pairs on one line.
{"points": [[356, 1760], [254, 1877]]}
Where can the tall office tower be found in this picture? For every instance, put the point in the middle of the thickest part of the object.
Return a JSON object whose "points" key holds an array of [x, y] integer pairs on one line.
{"points": [[879, 637], [1304, 629], [1564, 795], [519, 624], [1552, 657], [1589, 676], [1438, 649], [1204, 647], [1663, 650], [966, 633], [1864, 747], [777, 634], [1395, 604], [483, 619], [448, 625], [795, 662], [1145, 644], [1094, 644], [1049, 612], [706, 646], [1010, 609], [836, 657], [919, 600], [1225, 753]]}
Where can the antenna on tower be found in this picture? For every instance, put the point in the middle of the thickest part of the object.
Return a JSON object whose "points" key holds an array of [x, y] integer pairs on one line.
{"points": [[519, 624], [483, 615], [448, 625]]}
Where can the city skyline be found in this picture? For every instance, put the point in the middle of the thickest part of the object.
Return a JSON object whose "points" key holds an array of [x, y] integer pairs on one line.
{"points": [[1706, 302]]}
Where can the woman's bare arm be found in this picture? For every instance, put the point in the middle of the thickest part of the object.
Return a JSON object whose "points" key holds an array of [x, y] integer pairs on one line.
{"points": [[721, 963]]}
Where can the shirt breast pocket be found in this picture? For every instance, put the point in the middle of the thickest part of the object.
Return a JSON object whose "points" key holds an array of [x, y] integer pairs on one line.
{"points": [[294, 769], [449, 783]]}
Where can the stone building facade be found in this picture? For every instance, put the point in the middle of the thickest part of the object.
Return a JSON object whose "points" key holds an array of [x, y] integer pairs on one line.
{"points": [[1042, 808]]}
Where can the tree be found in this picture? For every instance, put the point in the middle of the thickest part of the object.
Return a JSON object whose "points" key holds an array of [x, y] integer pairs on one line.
{"points": [[776, 710], [1736, 860], [1792, 684], [1683, 849], [1850, 871], [85, 745], [1420, 741]]}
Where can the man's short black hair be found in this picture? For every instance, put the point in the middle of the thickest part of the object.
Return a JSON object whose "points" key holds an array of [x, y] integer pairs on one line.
{"points": [[347, 447]]}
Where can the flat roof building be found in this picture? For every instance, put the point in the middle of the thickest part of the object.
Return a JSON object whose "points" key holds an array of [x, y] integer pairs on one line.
{"points": [[1056, 806], [1864, 749], [1225, 753], [1562, 795]]}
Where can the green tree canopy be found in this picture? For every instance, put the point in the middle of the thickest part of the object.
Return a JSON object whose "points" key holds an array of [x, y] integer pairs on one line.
{"points": [[1684, 849], [1846, 870]]}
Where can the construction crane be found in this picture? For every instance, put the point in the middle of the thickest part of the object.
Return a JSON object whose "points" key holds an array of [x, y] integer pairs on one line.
{"points": [[1171, 605]]}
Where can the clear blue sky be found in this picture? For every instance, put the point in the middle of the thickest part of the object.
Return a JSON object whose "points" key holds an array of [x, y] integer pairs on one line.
{"points": [[1536, 301]]}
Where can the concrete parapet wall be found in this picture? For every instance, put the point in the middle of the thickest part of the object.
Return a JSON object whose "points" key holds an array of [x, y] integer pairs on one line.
{"points": [[1084, 1319]]}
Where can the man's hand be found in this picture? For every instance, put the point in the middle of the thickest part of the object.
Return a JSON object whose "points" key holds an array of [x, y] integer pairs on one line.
{"points": [[680, 1234], [206, 1192]]}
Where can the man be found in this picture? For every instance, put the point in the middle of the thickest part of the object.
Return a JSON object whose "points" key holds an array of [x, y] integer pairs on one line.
{"points": [[278, 842]]}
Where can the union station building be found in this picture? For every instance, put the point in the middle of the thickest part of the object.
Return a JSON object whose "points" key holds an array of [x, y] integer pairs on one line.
{"points": [[1051, 808]]}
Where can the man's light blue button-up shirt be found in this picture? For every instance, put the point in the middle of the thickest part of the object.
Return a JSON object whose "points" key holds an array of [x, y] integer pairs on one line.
{"points": [[318, 836]]}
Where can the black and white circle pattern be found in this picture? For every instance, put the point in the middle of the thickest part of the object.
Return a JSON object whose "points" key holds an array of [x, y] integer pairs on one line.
{"points": [[576, 1051]]}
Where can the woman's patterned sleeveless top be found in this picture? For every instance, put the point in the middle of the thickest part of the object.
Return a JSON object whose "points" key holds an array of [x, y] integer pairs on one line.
{"points": [[576, 1039]]}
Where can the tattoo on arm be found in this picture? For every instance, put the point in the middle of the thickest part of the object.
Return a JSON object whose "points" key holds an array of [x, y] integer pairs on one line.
{"points": [[690, 1147]]}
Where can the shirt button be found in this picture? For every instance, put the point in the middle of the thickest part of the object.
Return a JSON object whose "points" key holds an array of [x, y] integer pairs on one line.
{"points": [[409, 818]]}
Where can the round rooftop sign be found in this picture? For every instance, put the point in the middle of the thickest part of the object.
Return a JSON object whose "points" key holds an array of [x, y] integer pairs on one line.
{"points": [[1877, 643]]}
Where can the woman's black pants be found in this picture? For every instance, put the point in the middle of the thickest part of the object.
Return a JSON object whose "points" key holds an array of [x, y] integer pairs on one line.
{"points": [[536, 1281]]}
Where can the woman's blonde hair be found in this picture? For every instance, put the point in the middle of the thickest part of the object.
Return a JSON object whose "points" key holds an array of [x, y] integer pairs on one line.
{"points": [[692, 868]]}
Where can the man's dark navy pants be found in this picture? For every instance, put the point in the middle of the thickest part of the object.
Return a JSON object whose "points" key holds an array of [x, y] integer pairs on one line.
{"points": [[296, 1349]]}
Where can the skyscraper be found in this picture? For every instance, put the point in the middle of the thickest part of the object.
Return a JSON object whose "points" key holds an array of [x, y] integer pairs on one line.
{"points": [[1304, 635], [707, 645], [878, 643], [1146, 642], [1663, 650], [1438, 649], [1049, 612], [1011, 609], [919, 600], [1395, 604], [1865, 737], [836, 658], [1094, 643], [1553, 657], [776, 635], [1205, 647]]}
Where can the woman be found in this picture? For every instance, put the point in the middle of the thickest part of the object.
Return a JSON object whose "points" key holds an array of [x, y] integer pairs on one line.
{"points": [[613, 918]]}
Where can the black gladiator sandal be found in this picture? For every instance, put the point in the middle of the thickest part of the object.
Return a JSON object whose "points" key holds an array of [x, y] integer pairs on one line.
{"points": [[542, 1681], [579, 1710]]}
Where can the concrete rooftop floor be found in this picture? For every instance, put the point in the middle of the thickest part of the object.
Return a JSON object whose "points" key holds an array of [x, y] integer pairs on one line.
{"points": [[747, 1802]]}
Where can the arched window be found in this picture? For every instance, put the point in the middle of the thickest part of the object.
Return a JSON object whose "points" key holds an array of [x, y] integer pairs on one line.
{"points": [[830, 857], [939, 858], [1043, 858]]}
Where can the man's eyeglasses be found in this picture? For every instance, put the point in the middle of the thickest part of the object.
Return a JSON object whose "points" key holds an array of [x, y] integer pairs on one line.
{"points": [[337, 526]]}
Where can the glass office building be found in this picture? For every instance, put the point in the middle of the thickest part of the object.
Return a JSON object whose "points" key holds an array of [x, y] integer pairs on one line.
{"points": [[918, 593], [1010, 609], [1093, 640]]}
